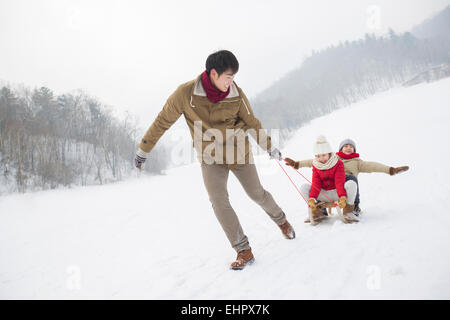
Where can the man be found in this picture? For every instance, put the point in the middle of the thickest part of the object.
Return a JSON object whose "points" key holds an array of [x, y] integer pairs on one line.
{"points": [[219, 117]]}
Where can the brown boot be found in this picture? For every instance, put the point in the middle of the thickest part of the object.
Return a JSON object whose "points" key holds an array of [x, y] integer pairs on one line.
{"points": [[348, 215], [244, 257], [287, 230]]}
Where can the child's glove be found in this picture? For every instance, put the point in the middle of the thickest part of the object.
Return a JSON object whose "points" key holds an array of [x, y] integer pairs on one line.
{"points": [[342, 202], [292, 163], [394, 171], [312, 203]]}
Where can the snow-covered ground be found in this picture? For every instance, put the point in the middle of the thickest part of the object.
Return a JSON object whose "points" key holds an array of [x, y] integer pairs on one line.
{"points": [[156, 237]]}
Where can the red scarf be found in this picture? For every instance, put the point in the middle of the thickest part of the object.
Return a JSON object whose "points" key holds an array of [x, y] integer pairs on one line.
{"points": [[214, 95], [348, 156]]}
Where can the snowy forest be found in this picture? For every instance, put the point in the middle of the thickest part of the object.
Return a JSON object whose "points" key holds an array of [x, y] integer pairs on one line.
{"points": [[352, 71], [47, 141]]}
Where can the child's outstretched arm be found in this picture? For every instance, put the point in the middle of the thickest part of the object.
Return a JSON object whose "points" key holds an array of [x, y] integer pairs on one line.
{"points": [[393, 171], [298, 164], [370, 166], [305, 163]]}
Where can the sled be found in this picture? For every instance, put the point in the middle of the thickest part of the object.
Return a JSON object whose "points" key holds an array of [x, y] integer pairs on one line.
{"points": [[329, 206]]}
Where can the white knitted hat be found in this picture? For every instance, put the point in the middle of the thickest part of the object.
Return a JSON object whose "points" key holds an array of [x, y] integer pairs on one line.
{"points": [[321, 146]]}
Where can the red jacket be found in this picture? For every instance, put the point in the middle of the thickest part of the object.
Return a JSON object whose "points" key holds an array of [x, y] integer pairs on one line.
{"points": [[330, 179]]}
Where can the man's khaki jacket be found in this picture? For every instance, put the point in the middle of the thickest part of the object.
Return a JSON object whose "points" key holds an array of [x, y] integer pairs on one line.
{"points": [[219, 130]]}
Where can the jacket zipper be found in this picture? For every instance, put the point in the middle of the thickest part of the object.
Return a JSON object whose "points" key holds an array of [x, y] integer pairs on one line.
{"points": [[245, 106]]}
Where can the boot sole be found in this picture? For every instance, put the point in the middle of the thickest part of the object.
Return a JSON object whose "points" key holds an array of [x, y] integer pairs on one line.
{"points": [[288, 237], [350, 220], [315, 221]]}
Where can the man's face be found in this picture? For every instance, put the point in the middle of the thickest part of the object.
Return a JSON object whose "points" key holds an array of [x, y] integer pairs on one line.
{"points": [[222, 82], [348, 149]]}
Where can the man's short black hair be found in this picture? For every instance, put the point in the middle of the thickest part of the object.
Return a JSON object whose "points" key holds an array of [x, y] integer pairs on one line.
{"points": [[221, 61]]}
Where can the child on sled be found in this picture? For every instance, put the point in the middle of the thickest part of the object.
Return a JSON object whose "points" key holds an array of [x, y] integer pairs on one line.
{"points": [[328, 184], [353, 165]]}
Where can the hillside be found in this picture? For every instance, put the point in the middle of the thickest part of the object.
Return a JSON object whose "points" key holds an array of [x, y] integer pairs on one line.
{"points": [[156, 237], [350, 71]]}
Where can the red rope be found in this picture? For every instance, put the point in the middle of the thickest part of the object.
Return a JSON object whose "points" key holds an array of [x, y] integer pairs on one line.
{"points": [[320, 191], [292, 182]]}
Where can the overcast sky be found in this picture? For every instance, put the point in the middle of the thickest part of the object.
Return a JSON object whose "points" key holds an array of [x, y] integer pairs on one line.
{"points": [[133, 54]]}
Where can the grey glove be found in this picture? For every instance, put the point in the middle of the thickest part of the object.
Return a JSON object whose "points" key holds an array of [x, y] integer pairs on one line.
{"points": [[139, 159], [275, 154]]}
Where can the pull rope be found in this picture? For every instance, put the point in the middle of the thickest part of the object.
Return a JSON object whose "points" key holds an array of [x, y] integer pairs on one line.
{"points": [[295, 186], [320, 191]]}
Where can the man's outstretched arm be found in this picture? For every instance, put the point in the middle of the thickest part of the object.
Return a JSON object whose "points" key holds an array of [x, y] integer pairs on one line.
{"points": [[170, 113]]}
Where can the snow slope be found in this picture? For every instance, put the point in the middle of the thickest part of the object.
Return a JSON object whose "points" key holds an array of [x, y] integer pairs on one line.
{"points": [[156, 237]]}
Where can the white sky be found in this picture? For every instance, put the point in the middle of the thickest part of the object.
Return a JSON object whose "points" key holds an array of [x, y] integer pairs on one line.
{"points": [[133, 54]]}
